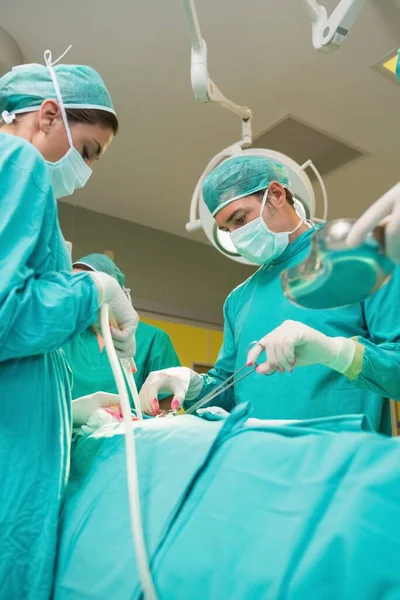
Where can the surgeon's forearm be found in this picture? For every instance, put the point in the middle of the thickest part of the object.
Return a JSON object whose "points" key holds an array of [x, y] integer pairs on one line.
{"points": [[376, 367], [47, 313]]}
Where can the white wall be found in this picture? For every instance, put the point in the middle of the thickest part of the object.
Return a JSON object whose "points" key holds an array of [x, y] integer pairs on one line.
{"points": [[167, 274]]}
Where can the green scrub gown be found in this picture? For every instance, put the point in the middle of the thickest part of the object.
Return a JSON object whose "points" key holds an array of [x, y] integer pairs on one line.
{"points": [[258, 306], [42, 306], [91, 368]]}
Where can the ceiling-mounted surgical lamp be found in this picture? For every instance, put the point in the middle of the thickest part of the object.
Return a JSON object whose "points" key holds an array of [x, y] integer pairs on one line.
{"points": [[328, 33], [204, 88], [300, 186], [206, 91]]}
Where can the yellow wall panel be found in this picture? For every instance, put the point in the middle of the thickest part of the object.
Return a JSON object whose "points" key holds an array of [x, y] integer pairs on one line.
{"points": [[191, 343], [216, 338]]}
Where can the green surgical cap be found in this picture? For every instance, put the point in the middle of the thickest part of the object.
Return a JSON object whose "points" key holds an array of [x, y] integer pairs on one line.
{"points": [[102, 263], [238, 177], [25, 88]]}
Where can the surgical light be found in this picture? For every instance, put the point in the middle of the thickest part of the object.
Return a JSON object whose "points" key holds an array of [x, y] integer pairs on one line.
{"points": [[300, 185], [328, 33]]}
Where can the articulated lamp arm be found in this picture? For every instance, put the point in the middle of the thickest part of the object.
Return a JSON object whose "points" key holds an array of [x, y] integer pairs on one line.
{"points": [[328, 33], [205, 90]]}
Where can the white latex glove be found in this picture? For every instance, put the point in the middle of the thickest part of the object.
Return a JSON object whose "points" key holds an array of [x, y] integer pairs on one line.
{"points": [[98, 420], [182, 382], [85, 406], [213, 413], [121, 310], [387, 208], [295, 344]]}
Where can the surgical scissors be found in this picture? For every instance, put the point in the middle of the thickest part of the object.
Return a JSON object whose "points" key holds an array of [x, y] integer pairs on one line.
{"points": [[225, 385]]}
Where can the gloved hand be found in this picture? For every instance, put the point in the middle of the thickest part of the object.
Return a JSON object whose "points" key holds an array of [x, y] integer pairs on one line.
{"points": [[85, 406], [97, 420], [295, 344], [212, 413], [182, 382], [121, 310]]}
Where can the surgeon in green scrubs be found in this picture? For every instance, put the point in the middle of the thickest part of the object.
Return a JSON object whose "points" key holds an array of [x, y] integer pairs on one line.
{"points": [[311, 363], [87, 355], [56, 121]]}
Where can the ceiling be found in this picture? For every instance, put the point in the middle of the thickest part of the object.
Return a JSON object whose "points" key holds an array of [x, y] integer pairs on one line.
{"points": [[260, 54]]}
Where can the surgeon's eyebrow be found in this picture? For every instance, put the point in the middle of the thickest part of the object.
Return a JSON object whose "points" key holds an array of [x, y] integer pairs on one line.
{"points": [[230, 219]]}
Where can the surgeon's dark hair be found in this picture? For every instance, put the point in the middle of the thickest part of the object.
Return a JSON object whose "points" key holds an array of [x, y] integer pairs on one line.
{"points": [[93, 116], [288, 193]]}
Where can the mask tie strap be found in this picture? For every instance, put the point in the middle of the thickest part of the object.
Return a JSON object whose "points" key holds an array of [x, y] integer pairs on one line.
{"points": [[49, 65], [62, 55], [264, 201]]}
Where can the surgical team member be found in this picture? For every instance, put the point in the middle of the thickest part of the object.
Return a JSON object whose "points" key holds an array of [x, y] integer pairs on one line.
{"points": [[56, 121], [86, 354], [353, 353]]}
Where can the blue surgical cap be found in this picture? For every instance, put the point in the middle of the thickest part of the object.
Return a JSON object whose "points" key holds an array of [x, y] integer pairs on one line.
{"points": [[238, 177], [25, 88], [102, 263]]}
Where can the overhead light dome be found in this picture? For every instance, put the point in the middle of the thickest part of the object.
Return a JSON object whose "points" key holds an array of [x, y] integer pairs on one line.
{"points": [[300, 186]]}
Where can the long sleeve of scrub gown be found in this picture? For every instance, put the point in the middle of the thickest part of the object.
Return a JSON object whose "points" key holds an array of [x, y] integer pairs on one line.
{"points": [[91, 369], [42, 306], [258, 306]]}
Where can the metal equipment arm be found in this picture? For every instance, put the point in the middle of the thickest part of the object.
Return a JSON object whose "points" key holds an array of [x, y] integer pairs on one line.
{"points": [[328, 33], [205, 90]]}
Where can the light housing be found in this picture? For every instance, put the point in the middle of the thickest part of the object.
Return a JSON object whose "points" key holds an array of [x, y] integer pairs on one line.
{"points": [[300, 186]]}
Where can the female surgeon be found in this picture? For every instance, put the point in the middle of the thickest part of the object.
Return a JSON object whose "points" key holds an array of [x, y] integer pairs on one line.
{"points": [[56, 121]]}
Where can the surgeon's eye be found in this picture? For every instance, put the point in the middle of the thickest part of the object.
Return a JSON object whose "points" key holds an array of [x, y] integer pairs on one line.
{"points": [[241, 220], [85, 153]]}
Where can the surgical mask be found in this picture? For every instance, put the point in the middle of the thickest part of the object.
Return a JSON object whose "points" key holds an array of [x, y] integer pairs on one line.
{"points": [[257, 243], [70, 172]]}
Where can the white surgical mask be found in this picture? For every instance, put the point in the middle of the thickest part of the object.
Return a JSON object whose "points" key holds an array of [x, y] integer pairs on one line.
{"points": [[257, 243], [70, 172]]}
